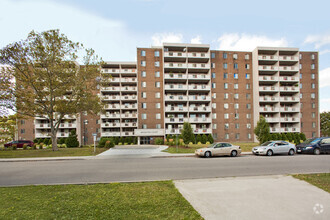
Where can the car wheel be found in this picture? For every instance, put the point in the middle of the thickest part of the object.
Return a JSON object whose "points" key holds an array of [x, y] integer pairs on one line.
{"points": [[269, 153], [233, 153], [317, 151], [207, 154], [291, 152]]}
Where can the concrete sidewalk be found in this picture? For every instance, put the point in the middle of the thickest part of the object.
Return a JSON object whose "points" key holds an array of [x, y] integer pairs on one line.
{"points": [[262, 197], [45, 159]]}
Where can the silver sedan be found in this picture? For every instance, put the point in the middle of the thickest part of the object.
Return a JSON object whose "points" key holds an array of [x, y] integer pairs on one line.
{"points": [[219, 149], [275, 147]]}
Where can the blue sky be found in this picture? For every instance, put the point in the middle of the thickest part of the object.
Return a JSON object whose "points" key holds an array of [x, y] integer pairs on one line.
{"points": [[115, 28]]}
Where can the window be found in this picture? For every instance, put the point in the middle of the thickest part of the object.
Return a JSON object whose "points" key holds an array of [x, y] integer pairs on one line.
{"points": [[214, 96], [300, 56], [143, 53], [212, 65], [226, 105], [22, 122], [213, 75], [248, 106], [97, 121], [237, 136], [236, 106], [214, 105], [247, 76], [300, 95], [22, 131], [226, 136], [313, 105], [236, 95], [235, 75], [143, 63], [214, 126], [313, 134], [248, 86], [156, 53], [144, 105], [212, 55], [143, 94], [235, 85], [313, 124], [158, 126], [97, 130], [248, 126], [144, 116], [247, 56], [225, 65], [313, 75], [157, 63], [236, 116], [237, 125], [313, 85], [247, 66], [235, 56], [248, 116], [157, 105], [157, 95], [313, 66], [213, 85], [157, 84], [300, 85], [143, 73], [226, 125], [226, 115], [143, 84], [144, 126], [313, 56], [300, 76], [215, 136], [313, 95], [224, 55], [300, 66], [225, 75], [248, 96], [158, 116], [157, 74], [249, 136], [226, 95], [214, 116], [235, 66], [225, 85], [313, 114]]}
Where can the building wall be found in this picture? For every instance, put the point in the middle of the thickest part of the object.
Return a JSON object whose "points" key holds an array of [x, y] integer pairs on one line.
{"points": [[150, 89], [310, 123], [26, 129], [224, 100]]}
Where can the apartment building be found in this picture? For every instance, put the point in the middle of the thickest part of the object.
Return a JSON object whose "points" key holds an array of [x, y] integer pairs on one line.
{"points": [[222, 93]]}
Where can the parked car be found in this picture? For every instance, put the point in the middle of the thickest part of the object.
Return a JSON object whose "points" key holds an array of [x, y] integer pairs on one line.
{"points": [[274, 147], [315, 146], [219, 149], [19, 143]]}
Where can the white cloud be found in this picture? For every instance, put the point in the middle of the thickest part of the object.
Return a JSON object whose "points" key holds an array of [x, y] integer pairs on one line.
{"points": [[325, 105], [325, 77], [246, 42], [196, 40], [109, 38], [159, 38], [324, 52], [318, 40]]}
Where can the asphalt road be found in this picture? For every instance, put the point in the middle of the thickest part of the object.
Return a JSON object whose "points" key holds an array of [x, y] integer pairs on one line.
{"points": [[135, 168]]}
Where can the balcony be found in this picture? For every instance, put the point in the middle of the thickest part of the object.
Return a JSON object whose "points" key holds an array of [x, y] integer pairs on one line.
{"points": [[175, 87], [108, 115], [173, 131], [199, 77], [129, 98], [268, 88], [274, 130], [288, 68], [199, 87], [175, 120], [267, 57], [175, 65], [176, 98], [47, 135], [110, 134], [133, 106], [272, 120], [289, 109], [198, 66], [42, 126], [198, 55], [200, 109], [129, 115], [123, 71], [111, 80], [200, 120], [110, 125], [268, 99], [289, 79], [268, 78], [268, 109], [176, 109], [289, 89], [289, 99], [268, 68], [289, 119], [111, 88], [109, 107], [202, 131], [110, 71], [199, 98], [176, 76], [289, 58], [129, 89], [127, 133], [110, 98], [128, 80], [290, 129], [175, 54], [128, 124], [68, 125]]}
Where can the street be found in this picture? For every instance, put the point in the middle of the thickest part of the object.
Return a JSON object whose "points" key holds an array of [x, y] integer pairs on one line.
{"points": [[137, 168]]}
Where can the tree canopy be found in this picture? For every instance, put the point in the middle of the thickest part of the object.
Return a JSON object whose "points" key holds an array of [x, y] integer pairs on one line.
{"points": [[262, 130], [41, 77], [325, 123]]}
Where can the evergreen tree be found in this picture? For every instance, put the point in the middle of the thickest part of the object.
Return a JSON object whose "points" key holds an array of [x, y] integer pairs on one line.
{"points": [[210, 139], [198, 138], [262, 130], [302, 136], [187, 133], [204, 139], [284, 137], [289, 136], [72, 140]]}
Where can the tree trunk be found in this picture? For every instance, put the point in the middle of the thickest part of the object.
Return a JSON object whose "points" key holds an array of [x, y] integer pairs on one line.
{"points": [[54, 141]]}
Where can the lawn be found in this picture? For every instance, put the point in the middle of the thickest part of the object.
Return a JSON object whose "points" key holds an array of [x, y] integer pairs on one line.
{"points": [[150, 200], [321, 180], [245, 146], [62, 152]]}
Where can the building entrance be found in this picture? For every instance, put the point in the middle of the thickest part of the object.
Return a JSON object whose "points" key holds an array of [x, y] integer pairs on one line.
{"points": [[145, 140]]}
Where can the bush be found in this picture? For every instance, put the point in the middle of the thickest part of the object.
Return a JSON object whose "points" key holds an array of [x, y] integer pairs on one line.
{"points": [[208, 143], [204, 138], [34, 146], [125, 143], [199, 143], [132, 143], [40, 146], [210, 139], [190, 143], [35, 140], [109, 144], [159, 141], [14, 147], [40, 140], [198, 138], [102, 142], [302, 136], [72, 140], [25, 146], [61, 140], [120, 143]]}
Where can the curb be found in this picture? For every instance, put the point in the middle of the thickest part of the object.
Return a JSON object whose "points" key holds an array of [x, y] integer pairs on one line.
{"points": [[37, 159]]}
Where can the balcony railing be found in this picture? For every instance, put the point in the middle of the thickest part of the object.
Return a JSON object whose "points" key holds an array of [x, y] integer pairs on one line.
{"points": [[128, 97], [129, 124], [110, 125], [175, 76], [289, 119], [199, 98], [200, 120], [176, 108], [110, 134], [176, 98], [198, 65], [268, 68], [199, 87], [268, 78], [288, 58], [290, 129], [288, 68], [127, 133], [289, 89], [173, 131], [199, 76], [268, 88], [268, 109], [131, 115], [289, 99], [175, 86], [108, 115], [127, 79], [129, 88], [175, 120], [199, 55], [133, 106], [175, 54], [268, 99], [111, 88], [110, 71], [128, 70], [289, 79], [202, 131], [267, 57], [175, 65], [289, 109], [272, 120], [113, 106], [200, 109]]}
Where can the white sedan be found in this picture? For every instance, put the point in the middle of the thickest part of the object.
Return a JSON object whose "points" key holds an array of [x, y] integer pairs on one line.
{"points": [[219, 149], [275, 147]]}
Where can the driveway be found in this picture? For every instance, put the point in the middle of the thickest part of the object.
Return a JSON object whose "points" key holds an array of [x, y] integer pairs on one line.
{"points": [[134, 150], [262, 197]]}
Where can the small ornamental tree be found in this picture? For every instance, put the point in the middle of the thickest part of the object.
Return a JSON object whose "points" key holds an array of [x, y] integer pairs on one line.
{"points": [[325, 123], [302, 136], [72, 140], [262, 130], [204, 139], [290, 137], [284, 137], [187, 133], [198, 138], [210, 139]]}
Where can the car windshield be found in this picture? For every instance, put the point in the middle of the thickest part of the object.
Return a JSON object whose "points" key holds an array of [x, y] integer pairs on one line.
{"points": [[267, 143], [309, 140], [315, 140], [212, 145]]}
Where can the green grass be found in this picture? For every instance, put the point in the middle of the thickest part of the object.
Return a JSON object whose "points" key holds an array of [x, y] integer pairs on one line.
{"points": [[62, 152], [321, 180], [150, 200], [245, 146]]}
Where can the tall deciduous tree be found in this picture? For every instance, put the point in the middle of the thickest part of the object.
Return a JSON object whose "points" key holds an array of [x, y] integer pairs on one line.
{"points": [[262, 130], [325, 123], [187, 133], [48, 81], [7, 128]]}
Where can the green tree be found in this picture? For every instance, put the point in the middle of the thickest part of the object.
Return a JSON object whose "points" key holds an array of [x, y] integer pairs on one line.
{"points": [[302, 136], [198, 138], [204, 139], [72, 140], [284, 137], [187, 133], [290, 137], [7, 128], [49, 82], [325, 123], [262, 130], [210, 139]]}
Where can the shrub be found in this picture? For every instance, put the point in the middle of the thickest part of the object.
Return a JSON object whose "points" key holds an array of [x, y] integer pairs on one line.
{"points": [[190, 143], [210, 139], [302, 136], [121, 140], [159, 141], [107, 144], [199, 143], [35, 140], [120, 143], [40, 140], [132, 143], [48, 146], [208, 143], [29, 148], [34, 146], [125, 143], [14, 147], [198, 138], [40, 146], [72, 140], [204, 138], [24, 146], [102, 142]]}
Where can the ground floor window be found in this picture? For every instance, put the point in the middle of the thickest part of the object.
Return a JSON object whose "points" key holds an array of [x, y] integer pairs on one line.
{"points": [[145, 140]]}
